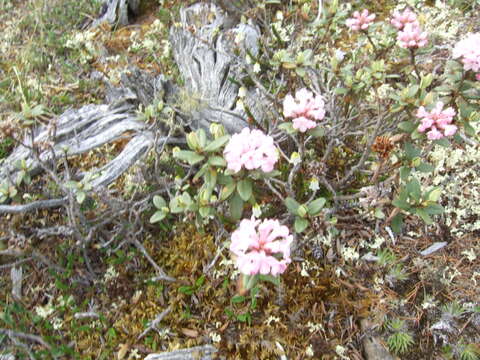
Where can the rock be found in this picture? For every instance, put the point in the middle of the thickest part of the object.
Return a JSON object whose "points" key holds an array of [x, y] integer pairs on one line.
{"points": [[372, 346]]}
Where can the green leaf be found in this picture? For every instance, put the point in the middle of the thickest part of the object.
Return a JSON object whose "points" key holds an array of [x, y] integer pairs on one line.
{"points": [[401, 204], [426, 81], [292, 205], [200, 281], [275, 280], [469, 130], [379, 213], [211, 179], [227, 190], [411, 152], [443, 142], [236, 207], [424, 215], [175, 205], [341, 91], [405, 172], [397, 223], [205, 167], [244, 188], [287, 127], [245, 317], [412, 91], [158, 216], [434, 209], [237, 299], [159, 202], [407, 126], [316, 206], [300, 224], [189, 156], [187, 290], [202, 138], [229, 313], [318, 131], [425, 167], [434, 194], [414, 189], [217, 161], [71, 184], [217, 143], [204, 211]]}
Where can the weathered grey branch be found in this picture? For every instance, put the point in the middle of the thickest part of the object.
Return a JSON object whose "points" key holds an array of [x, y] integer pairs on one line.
{"points": [[205, 352], [115, 12], [36, 205]]}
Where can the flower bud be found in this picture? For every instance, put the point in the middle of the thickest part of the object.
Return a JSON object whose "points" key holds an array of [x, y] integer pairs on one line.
{"points": [[302, 211], [192, 141], [217, 130]]}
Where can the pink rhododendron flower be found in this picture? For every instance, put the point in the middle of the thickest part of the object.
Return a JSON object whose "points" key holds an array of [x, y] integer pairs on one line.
{"points": [[251, 149], [412, 36], [304, 109], [477, 76], [360, 20], [261, 247], [437, 121], [469, 50], [302, 124], [399, 20]]}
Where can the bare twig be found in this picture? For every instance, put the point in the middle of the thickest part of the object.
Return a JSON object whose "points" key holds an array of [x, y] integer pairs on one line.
{"points": [[153, 325], [20, 335]]}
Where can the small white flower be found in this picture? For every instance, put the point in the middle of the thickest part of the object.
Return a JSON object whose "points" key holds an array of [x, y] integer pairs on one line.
{"points": [[340, 350], [429, 302], [242, 91], [309, 351], [110, 274], [44, 311], [339, 271], [350, 254], [295, 158], [57, 323], [312, 327], [256, 68], [134, 354], [215, 337], [256, 210], [313, 185], [272, 319], [470, 254]]}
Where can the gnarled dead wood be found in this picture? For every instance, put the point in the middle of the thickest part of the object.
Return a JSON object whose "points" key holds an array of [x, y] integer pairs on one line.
{"points": [[207, 64]]}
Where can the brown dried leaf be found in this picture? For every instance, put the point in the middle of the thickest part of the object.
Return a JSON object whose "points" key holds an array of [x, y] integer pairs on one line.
{"points": [[190, 332], [123, 351]]}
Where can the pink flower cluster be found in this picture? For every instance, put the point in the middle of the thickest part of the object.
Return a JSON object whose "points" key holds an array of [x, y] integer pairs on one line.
{"points": [[469, 50], [304, 109], [252, 150], [360, 20], [399, 20], [438, 121], [261, 247], [412, 36]]}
